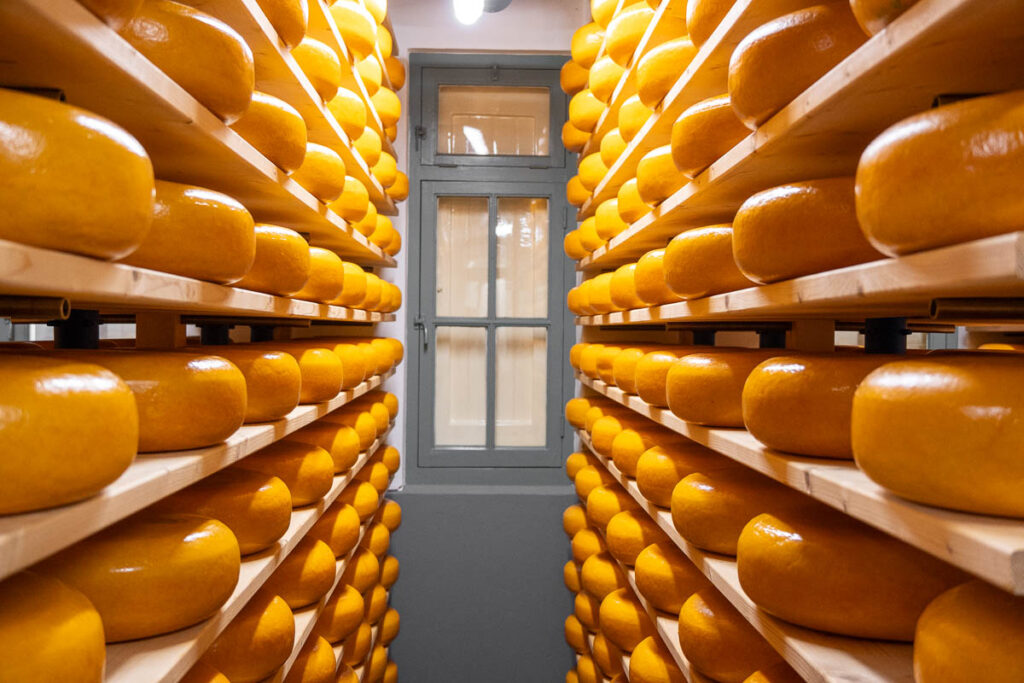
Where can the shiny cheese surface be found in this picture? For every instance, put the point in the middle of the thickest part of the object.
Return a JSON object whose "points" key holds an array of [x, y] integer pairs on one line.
{"points": [[703, 133], [272, 380], [281, 262], [700, 263], [256, 642], [288, 17], [326, 276], [623, 619], [322, 172], [661, 67], [275, 129], [652, 663], [306, 469], [666, 577], [306, 575], [707, 387], [357, 26]]}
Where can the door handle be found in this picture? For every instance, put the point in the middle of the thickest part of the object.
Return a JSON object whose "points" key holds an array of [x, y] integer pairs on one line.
{"points": [[421, 327]]}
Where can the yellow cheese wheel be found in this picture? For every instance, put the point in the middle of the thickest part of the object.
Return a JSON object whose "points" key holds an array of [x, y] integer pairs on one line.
{"points": [[256, 642], [586, 44], [48, 632], [390, 515], [657, 178], [354, 202], [396, 72], [281, 262], [306, 575], [346, 674], [718, 641], [633, 115], [781, 672], [376, 604], [272, 379], [573, 78], [703, 133], [391, 673], [275, 129], [971, 195], [602, 11], [586, 609], [652, 663], [809, 42], [600, 296], [575, 412], [699, 263], [624, 365], [353, 286], [116, 13], [623, 289], [874, 15], [321, 372], [369, 146], [623, 619], [197, 233], [378, 9], [383, 233], [666, 577], [659, 69], [592, 171], [376, 664], [70, 428], [585, 110], [574, 139], [326, 276], [363, 570], [607, 656], [358, 419], [823, 570], [589, 478], [399, 190], [385, 42], [612, 147], [377, 540], [585, 543], [605, 361], [803, 403], [341, 441], [338, 527], [376, 474], [604, 77], [357, 645], [590, 240], [609, 223], [605, 502], [574, 519], [957, 421], [573, 247], [652, 372], [368, 223], [108, 216], [288, 17], [571, 576], [184, 400], [389, 571], [389, 626], [314, 664], [704, 16], [600, 575], [202, 54], [631, 205], [391, 459], [257, 507], [201, 672], [388, 107], [342, 614], [357, 26], [629, 532], [630, 444], [307, 470], [588, 671], [322, 173], [371, 73], [575, 192], [572, 677], [651, 285], [349, 111], [969, 634], [625, 31], [363, 497], [710, 509], [707, 388], [151, 573], [386, 172], [660, 468]]}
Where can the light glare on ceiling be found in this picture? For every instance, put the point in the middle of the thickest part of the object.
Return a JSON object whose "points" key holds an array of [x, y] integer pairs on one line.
{"points": [[468, 11]]}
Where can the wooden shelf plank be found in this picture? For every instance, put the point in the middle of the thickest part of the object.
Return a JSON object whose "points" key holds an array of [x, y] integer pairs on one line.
{"points": [[990, 547], [60, 44], [167, 658], [993, 266], [937, 47], [817, 657], [91, 283], [30, 537]]}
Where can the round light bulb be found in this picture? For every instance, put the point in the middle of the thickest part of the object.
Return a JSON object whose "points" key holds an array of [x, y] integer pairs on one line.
{"points": [[468, 11]]}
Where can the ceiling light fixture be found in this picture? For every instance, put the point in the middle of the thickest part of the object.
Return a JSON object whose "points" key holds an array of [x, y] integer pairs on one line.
{"points": [[468, 11]]}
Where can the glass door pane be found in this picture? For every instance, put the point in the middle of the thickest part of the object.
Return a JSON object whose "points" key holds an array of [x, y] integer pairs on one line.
{"points": [[460, 387], [478, 120], [521, 379], [521, 287], [462, 243]]}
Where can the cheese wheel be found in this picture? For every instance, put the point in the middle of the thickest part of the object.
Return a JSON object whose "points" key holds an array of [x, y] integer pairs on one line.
{"points": [[203, 55], [587, 609], [660, 468], [275, 129], [821, 569], [357, 26], [358, 419], [659, 69], [106, 217], [704, 16], [307, 470], [968, 634], [574, 463], [575, 412], [874, 15], [602, 11], [587, 669], [383, 233], [601, 296], [197, 233], [623, 290], [342, 614], [585, 543], [376, 604], [389, 626], [314, 664], [368, 223], [803, 403], [625, 32], [151, 573], [378, 9], [710, 509], [396, 72], [604, 77], [630, 444], [363, 570], [600, 575], [281, 262], [631, 205], [338, 527], [651, 285], [604, 502], [666, 577], [573, 78], [288, 17], [629, 532], [389, 571], [633, 115], [354, 202], [699, 263], [322, 173], [971, 195], [341, 441], [116, 13], [703, 133], [363, 497], [657, 178], [575, 192], [574, 519], [957, 421], [371, 73], [574, 139], [306, 575], [376, 474], [184, 400], [375, 666], [586, 44], [391, 459], [321, 372], [623, 619], [571, 576], [781, 672], [609, 223], [353, 289], [357, 645], [707, 388], [388, 107], [385, 171], [718, 641], [652, 663], [201, 672], [590, 240], [592, 171], [652, 372], [326, 276], [605, 361], [272, 379], [612, 147], [349, 111], [585, 110], [391, 673], [346, 674], [809, 42], [48, 632], [256, 642], [608, 428], [399, 190], [369, 146], [624, 365], [588, 479], [70, 429], [573, 247], [257, 507], [377, 540], [607, 656]]}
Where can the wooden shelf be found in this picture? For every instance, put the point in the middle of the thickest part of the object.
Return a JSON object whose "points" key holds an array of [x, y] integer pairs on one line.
{"points": [[30, 537], [115, 287], [990, 547], [167, 658], [937, 47], [906, 286], [60, 44], [816, 656]]}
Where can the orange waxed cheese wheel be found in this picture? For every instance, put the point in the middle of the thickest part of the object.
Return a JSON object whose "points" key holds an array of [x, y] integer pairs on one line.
{"points": [[354, 202], [391, 515], [607, 656], [699, 263], [652, 372], [661, 67], [585, 110], [573, 78], [342, 614], [657, 177], [48, 632], [633, 115], [272, 380], [321, 65], [586, 43], [652, 663], [589, 238], [256, 642], [288, 17], [609, 222], [201, 672], [625, 32], [389, 571], [629, 444], [377, 540], [202, 54], [809, 41], [349, 111], [585, 543], [821, 569], [574, 519], [575, 192], [660, 468], [604, 502], [353, 289], [624, 366], [703, 133], [601, 296], [42, 467], [197, 233], [612, 147], [780, 672], [338, 527], [571, 576], [707, 388], [363, 497], [322, 172], [346, 674], [587, 669], [704, 16], [587, 609], [306, 574], [357, 26], [623, 619], [666, 577], [315, 663], [629, 532], [575, 635], [603, 11], [371, 73], [391, 459], [388, 107], [306, 469], [369, 146], [376, 604], [604, 77], [151, 573], [600, 575], [321, 372], [874, 15], [589, 478], [363, 570], [574, 139], [576, 462], [385, 171], [275, 129], [605, 362], [359, 419], [623, 288], [399, 190], [389, 626], [341, 441], [357, 645], [326, 276], [592, 171], [396, 72], [281, 262], [574, 247], [631, 206]]}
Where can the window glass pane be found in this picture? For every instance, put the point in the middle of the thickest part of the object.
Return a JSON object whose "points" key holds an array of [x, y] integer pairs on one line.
{"points": [[460, 387], [492, 120], [521, 380], [521, 289], [462, 226]]}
